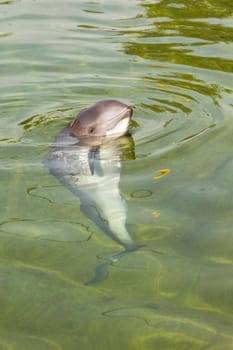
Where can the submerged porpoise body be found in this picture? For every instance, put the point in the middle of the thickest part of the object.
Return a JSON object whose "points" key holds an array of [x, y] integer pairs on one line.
{"points": [[86, 158]]}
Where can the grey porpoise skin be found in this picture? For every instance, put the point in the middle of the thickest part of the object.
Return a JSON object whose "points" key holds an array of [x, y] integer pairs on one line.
{"points": [[85, 157]]}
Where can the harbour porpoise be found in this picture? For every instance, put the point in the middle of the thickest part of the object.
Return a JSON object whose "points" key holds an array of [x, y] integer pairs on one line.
{"points": [[86, 158]]}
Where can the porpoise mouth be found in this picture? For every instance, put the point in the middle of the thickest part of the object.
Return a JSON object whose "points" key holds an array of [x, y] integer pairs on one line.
{"points": [[122, 121]]}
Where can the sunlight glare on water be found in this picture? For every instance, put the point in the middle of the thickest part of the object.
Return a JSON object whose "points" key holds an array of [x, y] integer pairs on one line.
{"points": [[171, 61]]}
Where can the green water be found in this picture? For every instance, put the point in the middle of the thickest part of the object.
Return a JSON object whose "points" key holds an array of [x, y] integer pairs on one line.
{"points": [[172, 61]]}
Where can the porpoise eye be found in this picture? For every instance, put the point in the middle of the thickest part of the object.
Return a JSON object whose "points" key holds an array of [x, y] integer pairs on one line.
{"points": [[91, 129]]}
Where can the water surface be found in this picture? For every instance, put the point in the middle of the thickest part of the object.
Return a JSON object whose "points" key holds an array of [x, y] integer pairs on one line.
{"points": [[172, 62]]}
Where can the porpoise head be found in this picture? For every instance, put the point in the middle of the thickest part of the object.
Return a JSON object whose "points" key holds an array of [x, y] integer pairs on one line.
{"points": [[107, 118]]}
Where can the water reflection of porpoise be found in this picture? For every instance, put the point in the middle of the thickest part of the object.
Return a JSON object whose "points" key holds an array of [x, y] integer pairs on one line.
{"points": [[85, 157]]}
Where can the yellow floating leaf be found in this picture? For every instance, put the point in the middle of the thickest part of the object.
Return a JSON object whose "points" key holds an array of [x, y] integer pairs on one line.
{"points": [[156, 214], [160, 85], [161, 173], [182, 99]]}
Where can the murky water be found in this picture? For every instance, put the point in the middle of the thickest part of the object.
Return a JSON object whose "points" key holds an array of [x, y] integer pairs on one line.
{"points": [[171, 61]]}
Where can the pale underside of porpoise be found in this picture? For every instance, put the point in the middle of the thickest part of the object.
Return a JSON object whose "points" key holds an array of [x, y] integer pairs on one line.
{"points": [[86, 158]]}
